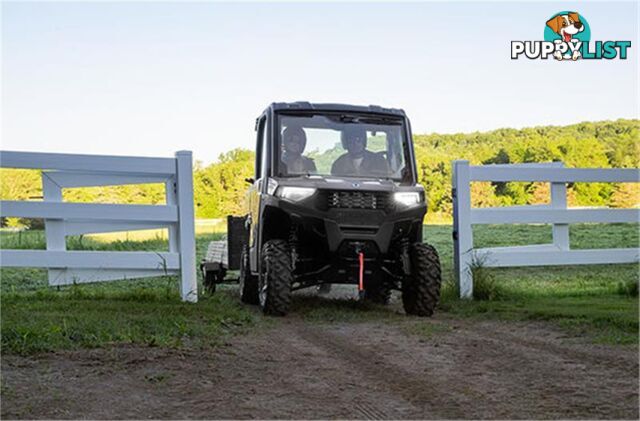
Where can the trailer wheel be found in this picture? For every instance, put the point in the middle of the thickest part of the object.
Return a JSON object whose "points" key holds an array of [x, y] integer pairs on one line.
{"points": [[248, 284], [209, 279], [275, 278], [421, 289]]}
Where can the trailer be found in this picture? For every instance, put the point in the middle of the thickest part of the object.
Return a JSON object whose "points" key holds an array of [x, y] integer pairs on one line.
{"points": [[224, 255]]}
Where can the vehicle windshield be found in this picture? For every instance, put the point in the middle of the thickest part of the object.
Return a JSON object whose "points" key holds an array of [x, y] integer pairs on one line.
{"points": [[343, 145]]}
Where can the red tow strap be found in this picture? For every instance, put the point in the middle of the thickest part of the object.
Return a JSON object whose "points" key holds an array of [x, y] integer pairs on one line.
{"points": [[361, 283]]}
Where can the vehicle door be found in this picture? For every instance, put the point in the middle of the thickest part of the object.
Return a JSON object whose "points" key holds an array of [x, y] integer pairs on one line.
{"points": [[255, 191]]}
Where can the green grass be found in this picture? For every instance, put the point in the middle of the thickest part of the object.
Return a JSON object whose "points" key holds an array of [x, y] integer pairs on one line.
{"points": [[48, 320], [605, 319], [21, 279], [37, 318], [426, 330], [598, 302]]}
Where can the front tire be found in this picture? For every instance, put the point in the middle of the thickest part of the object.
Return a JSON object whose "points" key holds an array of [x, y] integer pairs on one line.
{"points": [[275, 278], [248, 284], [421, 289]]}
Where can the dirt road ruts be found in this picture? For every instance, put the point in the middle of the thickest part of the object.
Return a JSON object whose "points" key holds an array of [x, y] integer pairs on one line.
{"points": [[355, 370]]}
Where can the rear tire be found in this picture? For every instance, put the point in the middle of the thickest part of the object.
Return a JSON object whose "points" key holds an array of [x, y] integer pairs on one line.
{"points": [[248, 284], [421, 289], [275, 278]]}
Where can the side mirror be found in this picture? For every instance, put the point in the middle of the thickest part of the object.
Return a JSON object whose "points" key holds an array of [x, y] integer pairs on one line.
{"points": [[250, 180]]}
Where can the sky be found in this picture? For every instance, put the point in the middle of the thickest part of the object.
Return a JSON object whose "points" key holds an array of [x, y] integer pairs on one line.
{"points": [[151, 78]]}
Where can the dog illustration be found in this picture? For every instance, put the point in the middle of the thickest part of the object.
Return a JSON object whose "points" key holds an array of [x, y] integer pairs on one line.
{"points": [[566, 26]]}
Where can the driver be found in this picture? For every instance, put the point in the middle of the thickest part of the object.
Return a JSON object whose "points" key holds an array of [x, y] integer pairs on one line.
{"points": [[294, 141], [358, 160]]}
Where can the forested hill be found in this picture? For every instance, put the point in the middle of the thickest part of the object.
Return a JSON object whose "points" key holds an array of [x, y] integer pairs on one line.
{"points": [[220, 187], [605, 144]]}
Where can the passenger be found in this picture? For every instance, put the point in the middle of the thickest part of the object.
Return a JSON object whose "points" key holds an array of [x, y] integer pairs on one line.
{"points": [[358, 160], [294, 140]]}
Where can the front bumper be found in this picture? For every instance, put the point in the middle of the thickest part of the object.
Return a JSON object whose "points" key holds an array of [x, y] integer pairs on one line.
{"points": [[343, 226]]}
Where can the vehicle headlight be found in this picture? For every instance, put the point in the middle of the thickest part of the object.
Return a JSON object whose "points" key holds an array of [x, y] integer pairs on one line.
{"points": [[407, 198], [295, 193]]}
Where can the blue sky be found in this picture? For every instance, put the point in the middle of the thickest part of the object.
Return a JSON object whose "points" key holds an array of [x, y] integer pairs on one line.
{"points": [[152, 78]]}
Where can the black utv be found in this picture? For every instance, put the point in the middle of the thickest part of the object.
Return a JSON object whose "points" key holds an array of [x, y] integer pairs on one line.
{"points": [[335, 200]]}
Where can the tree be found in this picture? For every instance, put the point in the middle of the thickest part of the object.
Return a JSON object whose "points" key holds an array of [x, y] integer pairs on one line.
{"points": [[219, 189]]}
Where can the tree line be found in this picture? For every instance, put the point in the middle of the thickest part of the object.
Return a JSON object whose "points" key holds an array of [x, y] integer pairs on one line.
{"points": [[219, 188]]}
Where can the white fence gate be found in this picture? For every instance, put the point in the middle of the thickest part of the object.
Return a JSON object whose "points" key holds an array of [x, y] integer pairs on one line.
{"points": [[556, 213], [62, 218]]}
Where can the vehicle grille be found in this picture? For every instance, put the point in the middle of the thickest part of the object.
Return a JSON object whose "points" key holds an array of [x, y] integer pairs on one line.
{"points": [[357, 200]]}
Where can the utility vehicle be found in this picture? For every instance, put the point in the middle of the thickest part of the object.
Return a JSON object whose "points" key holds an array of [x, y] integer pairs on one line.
{"points": [[334, 200]]}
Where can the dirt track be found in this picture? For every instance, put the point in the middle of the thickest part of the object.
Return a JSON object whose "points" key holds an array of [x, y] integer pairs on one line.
{"points": [[372, 370]]}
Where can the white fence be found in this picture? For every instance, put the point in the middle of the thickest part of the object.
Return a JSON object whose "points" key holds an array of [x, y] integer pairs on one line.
{"points": [[62, 218], [556, 213]]}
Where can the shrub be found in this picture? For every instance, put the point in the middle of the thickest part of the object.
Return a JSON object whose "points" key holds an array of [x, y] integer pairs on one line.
{"points": [[32, 223], [485, 286]]}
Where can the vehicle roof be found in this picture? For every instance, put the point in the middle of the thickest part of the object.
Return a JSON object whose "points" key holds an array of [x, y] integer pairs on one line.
{"points": [[307, 106]]}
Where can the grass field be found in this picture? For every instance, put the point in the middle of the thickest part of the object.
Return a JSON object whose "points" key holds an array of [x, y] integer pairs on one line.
{"points": [[599, 302], [202, 226]]}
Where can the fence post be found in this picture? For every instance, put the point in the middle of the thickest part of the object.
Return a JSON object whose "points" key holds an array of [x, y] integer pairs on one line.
{"points": [[462, 232], [186, 227], [54, 230], [170, 188], [559, 201]]}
